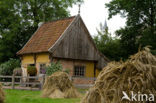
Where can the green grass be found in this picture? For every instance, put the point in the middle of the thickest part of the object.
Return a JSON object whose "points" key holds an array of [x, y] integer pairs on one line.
{"points": [[22, 96]]}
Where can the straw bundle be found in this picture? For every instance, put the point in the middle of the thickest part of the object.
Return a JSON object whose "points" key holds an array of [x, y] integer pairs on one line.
{"points": [[137, 74], [2, 96], [58, 85]]}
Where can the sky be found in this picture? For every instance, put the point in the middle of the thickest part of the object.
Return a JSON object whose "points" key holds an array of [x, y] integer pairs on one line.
{"points": [[93, 12]]}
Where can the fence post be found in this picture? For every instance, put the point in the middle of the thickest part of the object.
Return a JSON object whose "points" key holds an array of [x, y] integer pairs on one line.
{"points": [[42, 81], [71, 78], [21, 80], [13, 81]]}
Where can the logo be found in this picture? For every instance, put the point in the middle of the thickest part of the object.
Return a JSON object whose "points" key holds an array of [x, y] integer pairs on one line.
{"points": [[137, 97]]}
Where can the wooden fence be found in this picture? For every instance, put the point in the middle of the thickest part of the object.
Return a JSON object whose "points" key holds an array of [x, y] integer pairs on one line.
{"points": [[22, 82], [26, 83]]}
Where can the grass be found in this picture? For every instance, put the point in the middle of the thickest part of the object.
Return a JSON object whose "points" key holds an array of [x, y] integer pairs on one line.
{"points": [[22, 96]]}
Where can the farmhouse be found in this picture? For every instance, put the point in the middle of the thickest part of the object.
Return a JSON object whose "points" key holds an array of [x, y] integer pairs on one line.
{"points": [[67, 41]]}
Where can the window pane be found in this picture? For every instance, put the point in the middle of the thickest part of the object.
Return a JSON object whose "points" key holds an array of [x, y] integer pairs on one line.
{"points": [[42, 68], [31, 64], [79, 70]]}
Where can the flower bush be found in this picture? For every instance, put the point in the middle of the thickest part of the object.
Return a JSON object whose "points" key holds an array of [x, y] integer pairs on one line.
{"points": [[31, 70]]}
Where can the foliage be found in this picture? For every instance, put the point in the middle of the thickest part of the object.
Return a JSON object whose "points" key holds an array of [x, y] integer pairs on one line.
{"points": [[7, 67], [25, 96], [53, 67], [17, 72], [108, 45], [31, 70], [67, 70], [20, 19], [140, 29]]}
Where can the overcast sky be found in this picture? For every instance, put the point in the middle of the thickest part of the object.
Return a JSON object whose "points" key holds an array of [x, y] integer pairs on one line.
{"points": [[93, 12]]}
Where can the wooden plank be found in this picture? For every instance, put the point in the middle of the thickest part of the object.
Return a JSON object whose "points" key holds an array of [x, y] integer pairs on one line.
{"points": [[22, 83], [25, 83], [76, 43], [1, 76], [28, 77], [13, 81], [37, 83], [21, 88], [6, 82], [84, 78]]}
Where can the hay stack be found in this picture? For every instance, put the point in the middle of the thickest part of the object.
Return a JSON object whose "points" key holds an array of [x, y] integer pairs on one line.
{"points": [[58, 85], [137, 74], [2, 96]]}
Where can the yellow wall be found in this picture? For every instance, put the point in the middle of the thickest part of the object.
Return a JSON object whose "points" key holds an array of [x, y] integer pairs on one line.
{"points": [[27, 59], [69, 64], [42, 58], [97, 72], [89, 69]]}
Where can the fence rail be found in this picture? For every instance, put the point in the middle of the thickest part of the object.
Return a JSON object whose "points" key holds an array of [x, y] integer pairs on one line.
{"points": [[23, 82], [36, 82], [85, 78]]}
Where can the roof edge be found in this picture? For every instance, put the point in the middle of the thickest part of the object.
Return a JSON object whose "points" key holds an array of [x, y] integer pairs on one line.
{"points": [[91, 39], [18, 53], [52, 48]]}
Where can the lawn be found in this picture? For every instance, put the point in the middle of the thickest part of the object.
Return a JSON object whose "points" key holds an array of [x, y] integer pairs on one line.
{"points": [[22, 96]]}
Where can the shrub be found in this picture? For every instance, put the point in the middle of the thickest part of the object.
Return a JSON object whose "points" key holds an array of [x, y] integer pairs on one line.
{"points": [[7, 68], [31, 70], [53, 67], [67, 70]]}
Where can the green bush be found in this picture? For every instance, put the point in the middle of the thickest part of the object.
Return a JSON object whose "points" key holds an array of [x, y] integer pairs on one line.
{"points": [[7, 68], [31, 70], [67, 70], [53, 67]]}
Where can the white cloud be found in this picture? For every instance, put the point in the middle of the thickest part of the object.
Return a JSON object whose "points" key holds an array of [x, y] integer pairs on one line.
{"points": [[93, 12]]}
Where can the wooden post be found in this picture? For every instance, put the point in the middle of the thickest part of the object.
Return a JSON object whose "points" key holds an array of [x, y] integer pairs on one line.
{"points": [[27, 80], [21, 80], [70, 78], [13, 81], [42, 82]]}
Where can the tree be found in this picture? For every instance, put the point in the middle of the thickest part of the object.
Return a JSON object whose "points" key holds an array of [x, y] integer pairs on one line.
{"points": [[8, 67], [20, 19], [108, 45], [140, 29]]}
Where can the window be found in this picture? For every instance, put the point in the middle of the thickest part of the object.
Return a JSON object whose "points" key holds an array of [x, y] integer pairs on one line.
{"points": [[31, 65], [42, 68], [79, 71]]}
